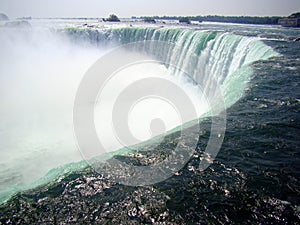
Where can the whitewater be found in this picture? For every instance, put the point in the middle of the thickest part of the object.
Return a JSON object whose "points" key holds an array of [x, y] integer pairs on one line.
{"points": [[41, 69]]}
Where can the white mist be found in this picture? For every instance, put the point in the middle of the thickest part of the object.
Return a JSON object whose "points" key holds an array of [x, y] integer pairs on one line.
{"points": [[39, 75]]}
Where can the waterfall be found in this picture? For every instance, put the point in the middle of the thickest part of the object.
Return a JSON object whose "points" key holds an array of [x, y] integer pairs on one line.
{"points": [[205, 56], [223, 57]]}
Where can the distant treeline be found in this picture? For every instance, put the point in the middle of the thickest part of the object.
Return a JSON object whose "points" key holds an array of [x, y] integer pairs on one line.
{"points": [[224, 19]]}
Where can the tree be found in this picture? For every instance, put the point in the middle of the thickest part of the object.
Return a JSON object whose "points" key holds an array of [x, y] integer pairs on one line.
{"points": [[185, 20], [112, 18], [149, 20], [295, 15]]}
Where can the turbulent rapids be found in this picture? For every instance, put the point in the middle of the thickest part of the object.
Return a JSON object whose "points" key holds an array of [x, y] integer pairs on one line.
{"points": [[47, 68]]}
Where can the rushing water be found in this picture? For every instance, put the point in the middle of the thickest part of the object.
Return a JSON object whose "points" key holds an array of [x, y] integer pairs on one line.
{"points": [[254, 179]]}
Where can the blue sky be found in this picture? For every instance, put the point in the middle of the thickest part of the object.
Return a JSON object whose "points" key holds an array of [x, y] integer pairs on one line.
{"points": [[128, 8]]}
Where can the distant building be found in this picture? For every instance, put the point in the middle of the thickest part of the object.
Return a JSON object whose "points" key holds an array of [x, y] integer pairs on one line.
{"points": [[291, 21]]}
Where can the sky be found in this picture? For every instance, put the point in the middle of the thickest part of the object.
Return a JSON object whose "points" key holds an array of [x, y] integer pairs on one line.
{"points": [[128, 8]]}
